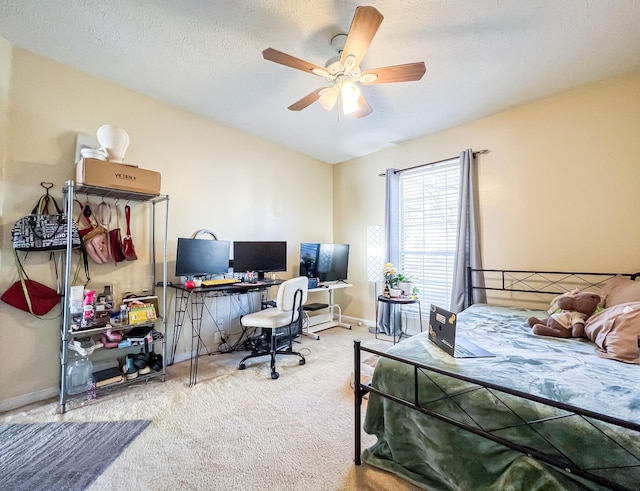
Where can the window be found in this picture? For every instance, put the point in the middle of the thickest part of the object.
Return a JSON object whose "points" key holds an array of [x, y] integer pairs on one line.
{"points": [[429, 198]]}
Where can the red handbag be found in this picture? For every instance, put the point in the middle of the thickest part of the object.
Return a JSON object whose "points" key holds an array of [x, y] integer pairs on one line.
{"points": [[127, 243], [115, 240], [29, 295]]}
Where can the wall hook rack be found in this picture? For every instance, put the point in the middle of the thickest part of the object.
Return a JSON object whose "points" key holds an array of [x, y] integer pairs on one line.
{"points": [[46, 186]]}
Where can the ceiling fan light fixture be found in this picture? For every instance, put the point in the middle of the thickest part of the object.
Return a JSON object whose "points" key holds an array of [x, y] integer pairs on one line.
{"points": [[343, 71], [328, 98], [349, 94]]}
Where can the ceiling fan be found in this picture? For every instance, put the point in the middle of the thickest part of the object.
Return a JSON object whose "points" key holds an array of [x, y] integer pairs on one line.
{"points": [[343, 71]]}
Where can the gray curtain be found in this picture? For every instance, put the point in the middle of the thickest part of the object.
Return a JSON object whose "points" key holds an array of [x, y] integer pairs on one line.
{"points": [[391, 249], [468, 237]]}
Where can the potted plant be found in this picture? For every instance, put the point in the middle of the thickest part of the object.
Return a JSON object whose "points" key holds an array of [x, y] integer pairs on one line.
{"points": [[405, 284], [392, 279]]}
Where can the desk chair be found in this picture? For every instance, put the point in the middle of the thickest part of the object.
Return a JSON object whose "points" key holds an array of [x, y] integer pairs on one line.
{"points": [[280, 325]]}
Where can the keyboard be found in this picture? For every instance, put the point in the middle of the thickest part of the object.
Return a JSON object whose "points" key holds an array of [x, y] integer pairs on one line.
{"points": [[220, 281], [463, 351]]}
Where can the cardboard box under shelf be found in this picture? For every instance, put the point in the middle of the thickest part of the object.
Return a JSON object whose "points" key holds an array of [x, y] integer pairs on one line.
{"points": [[93, 172]]}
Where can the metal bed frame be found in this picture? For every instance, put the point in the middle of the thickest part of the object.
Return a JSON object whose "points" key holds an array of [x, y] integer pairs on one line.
{"points": [[510, 281]]}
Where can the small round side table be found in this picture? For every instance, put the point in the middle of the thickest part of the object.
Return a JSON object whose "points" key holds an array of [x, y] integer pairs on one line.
{"points": [[395, 304]]}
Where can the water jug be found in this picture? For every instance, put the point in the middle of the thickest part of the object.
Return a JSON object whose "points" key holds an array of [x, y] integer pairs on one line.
{"points": [[79, 373]]}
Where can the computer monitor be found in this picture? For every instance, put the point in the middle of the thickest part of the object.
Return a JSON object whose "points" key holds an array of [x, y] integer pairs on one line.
{"points": [[259, 256], [202, 257], [328, 262]]}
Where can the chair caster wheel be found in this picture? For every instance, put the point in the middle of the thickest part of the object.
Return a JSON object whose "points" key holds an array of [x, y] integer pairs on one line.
{"points": [[242, 366], [302, 362], [274, 375]]}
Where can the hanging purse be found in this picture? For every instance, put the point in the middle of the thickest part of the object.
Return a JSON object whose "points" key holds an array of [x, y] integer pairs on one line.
{"points": [[85, 212], [115, 240], [127, 244], [98, 248], [42, 231], [97, 240], [29, 295]]}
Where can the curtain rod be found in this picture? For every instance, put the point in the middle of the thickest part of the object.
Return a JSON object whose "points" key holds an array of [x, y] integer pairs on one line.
{"points": [[479, 152]]}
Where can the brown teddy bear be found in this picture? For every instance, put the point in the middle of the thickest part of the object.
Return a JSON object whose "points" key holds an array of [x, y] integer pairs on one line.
{"points": [[575, 308]]}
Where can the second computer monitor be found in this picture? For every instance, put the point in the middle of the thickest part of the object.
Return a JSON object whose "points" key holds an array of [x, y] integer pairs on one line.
{"points": [[259, 256], [202, 257], [328, 262]]}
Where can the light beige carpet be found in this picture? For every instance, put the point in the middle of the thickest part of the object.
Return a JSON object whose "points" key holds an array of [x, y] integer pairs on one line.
{"points": [[240, 430]]}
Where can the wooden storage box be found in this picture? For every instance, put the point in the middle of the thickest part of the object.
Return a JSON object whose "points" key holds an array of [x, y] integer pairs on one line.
{"points": [[93, 172]]}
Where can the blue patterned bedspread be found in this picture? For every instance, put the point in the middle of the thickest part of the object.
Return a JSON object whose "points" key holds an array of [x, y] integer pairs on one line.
{"points": [[435, 455]]}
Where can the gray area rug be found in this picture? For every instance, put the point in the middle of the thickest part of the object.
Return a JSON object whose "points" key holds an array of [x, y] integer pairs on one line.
{"points": [[61, 456]]}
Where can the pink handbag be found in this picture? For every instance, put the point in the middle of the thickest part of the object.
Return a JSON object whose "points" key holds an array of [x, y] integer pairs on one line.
{"points": [[96, 241], [97, 246]]}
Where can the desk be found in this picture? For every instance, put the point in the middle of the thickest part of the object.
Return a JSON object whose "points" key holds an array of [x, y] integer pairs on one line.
{"points": [[191, 302], [327, 320], [397, 303]]}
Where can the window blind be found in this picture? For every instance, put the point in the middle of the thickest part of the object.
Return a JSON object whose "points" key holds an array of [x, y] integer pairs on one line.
{"points": [[429, 198]]}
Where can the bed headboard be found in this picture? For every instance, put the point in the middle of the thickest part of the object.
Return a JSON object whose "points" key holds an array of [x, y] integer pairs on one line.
{"points": [[533, 286]]}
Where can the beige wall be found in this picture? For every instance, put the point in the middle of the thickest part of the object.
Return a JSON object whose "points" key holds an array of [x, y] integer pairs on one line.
{"points": [[558, 190], [5, 76], [219, 178]]}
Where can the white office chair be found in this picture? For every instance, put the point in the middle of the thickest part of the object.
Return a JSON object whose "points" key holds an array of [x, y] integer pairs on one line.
{"points": [[280, 325]]}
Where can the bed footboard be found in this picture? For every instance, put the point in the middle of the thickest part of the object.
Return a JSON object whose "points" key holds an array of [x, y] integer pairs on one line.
{"points": [[608, 431]]}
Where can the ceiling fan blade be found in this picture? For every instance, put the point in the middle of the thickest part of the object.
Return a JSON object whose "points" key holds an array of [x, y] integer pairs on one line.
{"points": [[307, 100], [293, 62], [365, 108], [364, 26], [398, 73]]}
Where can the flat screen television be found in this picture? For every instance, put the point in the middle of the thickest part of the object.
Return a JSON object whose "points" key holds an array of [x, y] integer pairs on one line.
{"points": [[202, 257], [259, 256], [328, 262]]}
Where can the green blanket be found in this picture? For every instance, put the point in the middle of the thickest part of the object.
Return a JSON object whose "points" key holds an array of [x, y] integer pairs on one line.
{"points": [[436, 455]]}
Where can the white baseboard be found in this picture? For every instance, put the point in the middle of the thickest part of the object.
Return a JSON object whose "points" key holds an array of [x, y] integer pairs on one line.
{"points": [[356, 321], [182, 357], [30, 398], [44, 394]]}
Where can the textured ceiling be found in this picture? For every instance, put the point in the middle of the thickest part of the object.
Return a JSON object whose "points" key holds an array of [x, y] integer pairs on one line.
{"points": [[482, 57]]}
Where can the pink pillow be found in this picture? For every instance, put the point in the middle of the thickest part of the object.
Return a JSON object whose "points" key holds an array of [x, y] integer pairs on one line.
{"points": [[621, 289], [615, 331]]}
